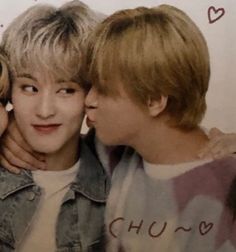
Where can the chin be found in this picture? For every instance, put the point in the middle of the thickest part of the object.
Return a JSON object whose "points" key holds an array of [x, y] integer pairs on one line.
{"points": [[45, 148], [108, 140]]}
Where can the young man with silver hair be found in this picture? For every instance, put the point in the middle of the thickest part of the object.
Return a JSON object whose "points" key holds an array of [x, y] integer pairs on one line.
{"points": [[60, 209]]}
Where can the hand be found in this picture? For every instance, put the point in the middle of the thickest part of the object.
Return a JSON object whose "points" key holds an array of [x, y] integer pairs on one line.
{"points": [[3, 120], [220, 144], [16, 154]]}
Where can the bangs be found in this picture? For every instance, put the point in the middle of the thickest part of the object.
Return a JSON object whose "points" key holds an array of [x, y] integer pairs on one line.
{"points": [[104, 69], [51, 41], [61, 62], [118, 53], [60, 55]]}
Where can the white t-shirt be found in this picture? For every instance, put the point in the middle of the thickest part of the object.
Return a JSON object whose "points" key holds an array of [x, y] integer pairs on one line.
{"points": [[40, 236], [165, 171]]}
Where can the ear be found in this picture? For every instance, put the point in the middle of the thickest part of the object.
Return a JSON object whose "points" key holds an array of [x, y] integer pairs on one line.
{"points": [[155, 107]]}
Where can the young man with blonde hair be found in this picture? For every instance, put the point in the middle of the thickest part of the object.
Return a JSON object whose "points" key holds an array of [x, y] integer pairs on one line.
{"points": [[60, 209], [163, 197]]}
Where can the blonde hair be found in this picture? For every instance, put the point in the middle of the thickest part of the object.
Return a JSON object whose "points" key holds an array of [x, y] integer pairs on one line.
{"points": [[153, 52], [4, 77], [50, 39]]}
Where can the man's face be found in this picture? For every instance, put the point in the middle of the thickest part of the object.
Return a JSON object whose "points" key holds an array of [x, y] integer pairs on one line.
{"points": [[117, 120], [48, 112]]}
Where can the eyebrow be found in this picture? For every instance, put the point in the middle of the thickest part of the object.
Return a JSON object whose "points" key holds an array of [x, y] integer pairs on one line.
{"points": [[25, 75], [29, 76], [62, 81]]}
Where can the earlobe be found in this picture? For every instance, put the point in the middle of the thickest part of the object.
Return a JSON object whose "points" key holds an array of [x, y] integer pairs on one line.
{"points": [[9, 107], [156, 107]]}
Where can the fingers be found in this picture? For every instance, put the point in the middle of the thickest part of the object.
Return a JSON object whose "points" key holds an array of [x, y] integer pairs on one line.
{"points": [[206, 152], [16, 136], [220, 146], [8, 166], [219, 150], [17, 156], [16, 153], [15, 161], [215, 132]]}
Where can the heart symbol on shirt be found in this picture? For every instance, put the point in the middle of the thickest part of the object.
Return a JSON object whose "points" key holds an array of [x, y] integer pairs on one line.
{"points": [[204, 227], [215, 14]]}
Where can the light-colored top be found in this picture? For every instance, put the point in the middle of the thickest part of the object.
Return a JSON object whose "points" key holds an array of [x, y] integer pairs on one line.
{"points": [[177, 210], [165, 171], [54, 184]]}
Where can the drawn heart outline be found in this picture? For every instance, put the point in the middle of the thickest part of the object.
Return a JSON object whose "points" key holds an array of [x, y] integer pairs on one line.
{"points": [[217, 13], [204, 227]]}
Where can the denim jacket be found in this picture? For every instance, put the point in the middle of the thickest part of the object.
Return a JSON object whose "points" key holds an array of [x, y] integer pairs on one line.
{"points": [[80, 223]]}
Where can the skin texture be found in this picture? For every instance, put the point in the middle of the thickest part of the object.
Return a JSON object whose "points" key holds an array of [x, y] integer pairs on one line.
{"points": [[43, 102], [220, 145], [16, 152], [48, 114], [128, 117], [144, 127], [103, 110], [4, 119]]}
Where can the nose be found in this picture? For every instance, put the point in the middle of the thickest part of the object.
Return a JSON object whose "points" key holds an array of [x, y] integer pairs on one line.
{"points": [[91, 101], [46, 107]]}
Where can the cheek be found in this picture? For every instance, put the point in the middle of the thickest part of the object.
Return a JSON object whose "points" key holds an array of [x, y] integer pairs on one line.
{"points": [[22, 109], [112, 113], [21, 102], [74, 111]]}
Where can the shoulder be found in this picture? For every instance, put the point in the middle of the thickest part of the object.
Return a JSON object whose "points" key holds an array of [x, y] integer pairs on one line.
{"points": [[213, 180], [221, 170]]}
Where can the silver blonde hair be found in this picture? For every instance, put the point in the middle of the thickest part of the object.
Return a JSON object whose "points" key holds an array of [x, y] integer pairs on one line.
{"points": [[50, 39]]}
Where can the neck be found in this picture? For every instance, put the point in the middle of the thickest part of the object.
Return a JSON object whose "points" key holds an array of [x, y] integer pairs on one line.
{"points": [[167, 145], [64, 158]]}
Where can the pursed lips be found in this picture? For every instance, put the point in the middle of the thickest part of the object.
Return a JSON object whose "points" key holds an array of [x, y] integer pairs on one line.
{"points": [[90, 118]]}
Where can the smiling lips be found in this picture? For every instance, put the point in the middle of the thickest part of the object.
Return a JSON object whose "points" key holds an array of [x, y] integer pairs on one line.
{"points": [[46, 129]]}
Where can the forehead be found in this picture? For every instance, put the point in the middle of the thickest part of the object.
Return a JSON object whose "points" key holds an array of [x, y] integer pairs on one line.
{"points": [[43, 75]]}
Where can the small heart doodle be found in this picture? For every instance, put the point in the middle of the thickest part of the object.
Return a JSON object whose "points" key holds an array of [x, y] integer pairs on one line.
{"points": [[204, 227], [215, 14]]}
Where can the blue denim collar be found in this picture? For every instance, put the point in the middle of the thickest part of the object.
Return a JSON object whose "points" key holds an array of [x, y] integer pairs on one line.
{"points": [[11, 183], [91, 180]]}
